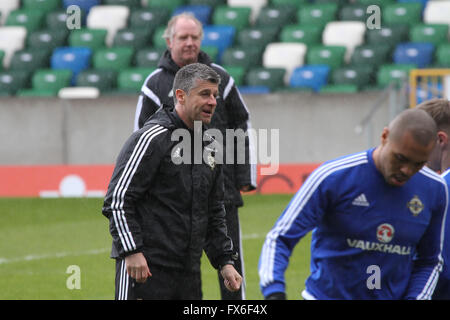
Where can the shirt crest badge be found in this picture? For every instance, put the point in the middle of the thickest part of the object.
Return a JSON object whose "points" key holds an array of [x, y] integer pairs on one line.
{"points": [[211, 161], [415, 206]]}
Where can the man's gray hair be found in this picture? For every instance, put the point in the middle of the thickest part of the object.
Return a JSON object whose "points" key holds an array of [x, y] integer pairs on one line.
{"points": [[169, 32], [187, 77]]}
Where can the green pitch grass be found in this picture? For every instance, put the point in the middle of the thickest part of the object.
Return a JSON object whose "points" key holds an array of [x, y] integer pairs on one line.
{"points": [[41, 238]]}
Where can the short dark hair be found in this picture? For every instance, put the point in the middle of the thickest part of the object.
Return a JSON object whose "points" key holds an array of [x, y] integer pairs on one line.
{"points": [[188, 76], [439, 110]]}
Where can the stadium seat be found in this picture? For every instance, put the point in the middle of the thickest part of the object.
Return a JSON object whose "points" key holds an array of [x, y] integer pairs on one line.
{"points": [[169, 4], [333, 56], [317, 14], [418, 53], [293, 4], [255, 5], [437, 12], [111, 18], [113, 58], [201, 12], [276, 16], [338, 88], [148, 19], [358, 76], [74, 59], [354, 35], [443, 55], [43, 5], [87, 37], [11, 40], [47, 39], [380, 3], [148, 57], [84, 5], [78, 93], [310, 76], [129, 3], [13, 80], [57, 19], [371, 55], [237, 73], [353, 12], [391, 35], [286, 55], [131, 79], [30, 19], [402, 13], [157, 39], [212, 52], [104, 80], [136, 38], [2, 55], [433, 33], [257, 36], [393, 73], [307, 34], [245, 57], [50, 81], [30, 60], [6, 7], [211, 3], [271, 78], [238, 17], [221, 37]]}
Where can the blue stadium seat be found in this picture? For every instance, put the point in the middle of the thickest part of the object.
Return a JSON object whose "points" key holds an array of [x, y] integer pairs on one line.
{"points": [[201, 12], [313, 76], [219, 36], [75, 59], [85, 5], [419, 53]]}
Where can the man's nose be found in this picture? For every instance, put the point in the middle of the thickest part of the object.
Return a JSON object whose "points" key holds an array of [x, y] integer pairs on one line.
{"points": [[407, 170]]}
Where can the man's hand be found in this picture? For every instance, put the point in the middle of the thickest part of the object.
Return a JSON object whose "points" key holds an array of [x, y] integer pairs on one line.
{"points": [[137, 267], [232, 279], [246, 188]]}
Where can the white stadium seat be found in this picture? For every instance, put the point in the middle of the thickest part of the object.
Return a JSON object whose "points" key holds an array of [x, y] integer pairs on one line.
{"points": [[12, 39], [349, 34], [255, 5], [6, 7], [437, 12], [109, 17], [287, 55], [79, 93]]}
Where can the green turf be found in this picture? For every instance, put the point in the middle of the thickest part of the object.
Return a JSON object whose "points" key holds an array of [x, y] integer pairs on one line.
{"points": [[41, 238]]}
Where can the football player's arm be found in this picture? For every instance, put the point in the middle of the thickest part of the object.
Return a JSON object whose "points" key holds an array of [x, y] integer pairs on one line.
{"points": [[302, 214], [135, 169], [239, 119], [428, 261], [219, 247]]}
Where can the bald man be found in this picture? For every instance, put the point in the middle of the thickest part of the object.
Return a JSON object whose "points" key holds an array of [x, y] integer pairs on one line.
{"points": [[376, 218]]}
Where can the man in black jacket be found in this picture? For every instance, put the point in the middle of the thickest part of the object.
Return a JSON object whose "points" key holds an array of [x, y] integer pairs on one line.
{"points": [[162, 214], [183, 36]]}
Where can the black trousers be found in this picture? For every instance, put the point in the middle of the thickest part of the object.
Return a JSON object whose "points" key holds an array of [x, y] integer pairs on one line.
{"points": [[234, 232], [164, 284]]}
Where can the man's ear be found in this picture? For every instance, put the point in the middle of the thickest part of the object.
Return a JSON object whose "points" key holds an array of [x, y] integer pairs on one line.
{"points": [[384, 135], [180, 95], [442, 138]]}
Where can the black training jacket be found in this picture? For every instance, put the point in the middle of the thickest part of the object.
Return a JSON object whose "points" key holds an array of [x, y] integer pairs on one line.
{"points": [[231, 113], [167, 211]]}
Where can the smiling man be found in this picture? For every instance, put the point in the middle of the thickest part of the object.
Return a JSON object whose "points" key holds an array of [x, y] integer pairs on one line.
{"points": [[376, 218], [183, 35], [162, 215]]}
